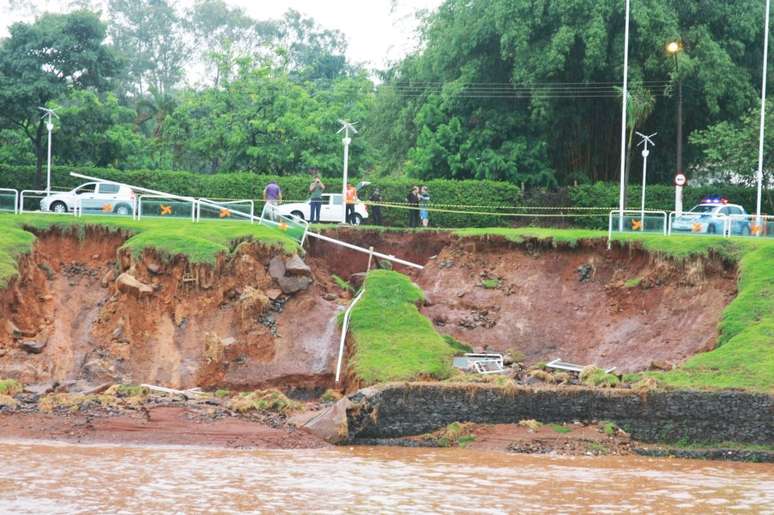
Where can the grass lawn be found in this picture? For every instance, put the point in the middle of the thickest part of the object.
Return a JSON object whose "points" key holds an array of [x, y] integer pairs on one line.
{"points": [[200, 242], [393, 340], [744, 357]]}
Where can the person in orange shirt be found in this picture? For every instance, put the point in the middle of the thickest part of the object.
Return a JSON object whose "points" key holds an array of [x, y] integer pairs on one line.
{"points": [[351, 201]]}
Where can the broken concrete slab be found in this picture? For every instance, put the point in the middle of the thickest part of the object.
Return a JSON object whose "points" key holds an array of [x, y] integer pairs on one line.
{"points": [[329, 424]]}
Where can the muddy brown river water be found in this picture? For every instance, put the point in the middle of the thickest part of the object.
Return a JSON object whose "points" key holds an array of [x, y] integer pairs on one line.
{"points": [[63, 478]]}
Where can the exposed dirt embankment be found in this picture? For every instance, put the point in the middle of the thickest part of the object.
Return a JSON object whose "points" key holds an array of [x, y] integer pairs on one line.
{"points": [[624, 308], [83, 310]]}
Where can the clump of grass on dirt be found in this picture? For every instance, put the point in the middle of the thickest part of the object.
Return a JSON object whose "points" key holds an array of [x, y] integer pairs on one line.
{"points": [[633, 282], [608, 427], [490, 284], [459, 347], [10, 387], [222, 393], [531, 424], [263, 401], [341, 283], [593, 376], [200, 242], [559, 428], [393, 341], [331, 396], [456, 434]]}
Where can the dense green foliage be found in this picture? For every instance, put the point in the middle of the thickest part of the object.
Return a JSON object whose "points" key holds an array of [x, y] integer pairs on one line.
{"points": [[200, 243], [393, 341], [509, 90]]}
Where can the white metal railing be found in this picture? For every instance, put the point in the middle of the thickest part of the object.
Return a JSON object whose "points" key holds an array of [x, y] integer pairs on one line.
{"points": [[225, 207], [638, 216], [43, 194], [344, 328], [15, 198], [271, 217], [163, 212]]}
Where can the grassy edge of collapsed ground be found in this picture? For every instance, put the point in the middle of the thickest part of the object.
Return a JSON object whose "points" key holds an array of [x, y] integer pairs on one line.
{"points": [[393, 341], [200, 243], [744, 356]]}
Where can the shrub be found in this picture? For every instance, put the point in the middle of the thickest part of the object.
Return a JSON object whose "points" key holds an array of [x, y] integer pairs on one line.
{"points": [[593, 376], [455, 434], [531, 424], [331, 396], [10, 387], [459, 347], [261, 401]]}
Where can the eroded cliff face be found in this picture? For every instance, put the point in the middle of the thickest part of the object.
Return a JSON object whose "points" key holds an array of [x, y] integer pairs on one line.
{"points": [[82, 309]]}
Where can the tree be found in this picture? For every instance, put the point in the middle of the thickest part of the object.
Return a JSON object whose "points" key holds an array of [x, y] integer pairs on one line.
{"points": [[552, 67], [147, 34], [266, 122], [312, 53], [730, 149], [43, 61], [226, 35], [639, 105], [97, 131]]}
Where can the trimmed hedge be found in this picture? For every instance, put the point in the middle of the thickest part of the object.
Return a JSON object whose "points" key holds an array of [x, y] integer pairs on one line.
{"points": [[444, 193], [246, 185]]}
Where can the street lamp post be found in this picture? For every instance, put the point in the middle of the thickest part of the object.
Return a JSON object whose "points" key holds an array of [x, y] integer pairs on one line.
{"points": [[646, 140], [346, 140], [674, 48], [624, 98], [48, 113], [759, 175]]}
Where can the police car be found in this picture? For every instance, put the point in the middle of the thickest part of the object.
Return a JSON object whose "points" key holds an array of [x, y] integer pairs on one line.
{"points": [[714, 215]]}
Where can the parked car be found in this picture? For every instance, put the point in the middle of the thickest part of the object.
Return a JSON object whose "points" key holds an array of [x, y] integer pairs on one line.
{"points": [[332, 209], [711, 216], [95, 197]]}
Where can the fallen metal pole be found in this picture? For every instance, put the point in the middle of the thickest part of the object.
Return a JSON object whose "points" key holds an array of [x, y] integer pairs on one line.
{"points": [[241, 213], [344, 327], [364, 250]]}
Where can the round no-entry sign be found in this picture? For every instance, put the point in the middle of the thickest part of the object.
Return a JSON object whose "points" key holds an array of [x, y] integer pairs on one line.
{"points": [[680, 179]]}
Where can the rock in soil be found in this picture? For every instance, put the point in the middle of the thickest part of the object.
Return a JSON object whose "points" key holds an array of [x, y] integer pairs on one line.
{"points": [[296, 266], [127, 283], [34, 347], [293, 284], [276, 268]]}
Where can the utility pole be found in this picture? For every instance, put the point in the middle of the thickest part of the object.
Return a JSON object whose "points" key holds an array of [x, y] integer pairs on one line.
{"points": [[758, 220], [624, 99], [50, 126], [674, 48], [346, 127], [645, 141]]}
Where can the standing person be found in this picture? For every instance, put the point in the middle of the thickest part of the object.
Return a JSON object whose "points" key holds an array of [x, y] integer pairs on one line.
{"points": [[351, 201], [272, 195], [412, 199], [376, 211], [424, 199], [315, 199]]}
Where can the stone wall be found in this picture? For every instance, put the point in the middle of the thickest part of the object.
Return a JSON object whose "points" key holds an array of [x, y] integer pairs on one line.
{"points": [[397, 410]]}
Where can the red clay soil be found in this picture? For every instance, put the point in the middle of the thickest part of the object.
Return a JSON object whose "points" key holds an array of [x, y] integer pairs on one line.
{"points": [[156, 426], [579, 440], [541, 306], [219, 329], [415, 247]]}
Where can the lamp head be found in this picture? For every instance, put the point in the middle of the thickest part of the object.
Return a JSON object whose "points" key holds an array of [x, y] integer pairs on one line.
{"points": [[673, 47]]}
